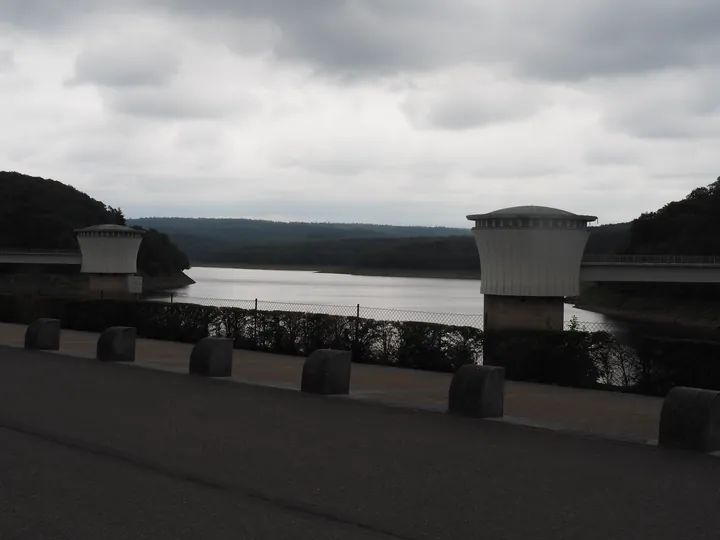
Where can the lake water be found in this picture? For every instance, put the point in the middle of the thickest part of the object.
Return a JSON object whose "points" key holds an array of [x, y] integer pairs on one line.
{"points": [[383, 293]]}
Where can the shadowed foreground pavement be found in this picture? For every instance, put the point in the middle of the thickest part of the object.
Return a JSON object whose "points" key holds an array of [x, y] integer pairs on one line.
{"points": [[89, 450], [609, 414]]}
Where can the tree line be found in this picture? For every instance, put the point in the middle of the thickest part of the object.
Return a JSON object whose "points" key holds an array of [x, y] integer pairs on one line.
{"points": [[215, 240], [37, 213]]}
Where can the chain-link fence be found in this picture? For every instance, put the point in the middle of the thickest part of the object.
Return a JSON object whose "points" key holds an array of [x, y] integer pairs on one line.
{"points": [[359, 311], [473, 320], [590, 326]]}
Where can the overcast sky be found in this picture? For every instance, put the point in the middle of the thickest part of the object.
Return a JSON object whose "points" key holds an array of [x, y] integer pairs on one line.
{"points": [[388, 111]]}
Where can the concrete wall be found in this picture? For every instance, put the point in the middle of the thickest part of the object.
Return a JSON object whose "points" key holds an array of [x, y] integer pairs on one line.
{"points": [[523, 313], [109, 255], [44, 284], [530, 262], [107, 286], [66, 285]]}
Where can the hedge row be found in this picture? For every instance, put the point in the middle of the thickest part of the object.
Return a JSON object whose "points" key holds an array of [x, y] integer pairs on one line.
{"points": [[565, 358], [573, 358], [663, 363], [415, 345]]}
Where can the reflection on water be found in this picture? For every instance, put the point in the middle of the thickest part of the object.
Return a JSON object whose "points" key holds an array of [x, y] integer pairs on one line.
{"points": [[386, 293]]}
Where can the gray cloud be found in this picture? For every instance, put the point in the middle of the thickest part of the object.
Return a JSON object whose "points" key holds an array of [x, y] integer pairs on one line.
{"points": [[7, 61], [673, 104], [336, 165], [625, 155], [615, 37], [168, 105], [555, 39], [53, 16], [366, 110], [127, 64], [469, 102], [558, 39]]}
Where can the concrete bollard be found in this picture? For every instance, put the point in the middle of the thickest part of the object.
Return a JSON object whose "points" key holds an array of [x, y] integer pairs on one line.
{"points": [[43, 335], [690, 420], [327, 372], [117, 344], [212, 357], [477, 391]]}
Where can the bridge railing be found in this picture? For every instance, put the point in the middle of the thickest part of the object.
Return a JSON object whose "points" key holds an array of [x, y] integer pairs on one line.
{"points": [[588, 258], [39, 251], [652, 259]]}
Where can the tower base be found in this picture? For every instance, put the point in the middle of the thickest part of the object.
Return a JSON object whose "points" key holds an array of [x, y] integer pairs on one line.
{"points": [[523, 313], [118, 286]]}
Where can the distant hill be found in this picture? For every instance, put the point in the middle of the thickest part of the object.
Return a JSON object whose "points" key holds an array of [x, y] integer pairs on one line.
{"points": [[206, 239], [609, 239], [439, 254], [346, 247], [442, 254], [683, 227], [686, 227], [41, 213]]}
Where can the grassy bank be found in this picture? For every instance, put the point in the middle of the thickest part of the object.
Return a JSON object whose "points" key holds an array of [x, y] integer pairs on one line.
{"points": [[689, 310]]}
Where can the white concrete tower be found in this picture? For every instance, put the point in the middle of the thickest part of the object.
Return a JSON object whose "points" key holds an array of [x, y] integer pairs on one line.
{"points": [[109, 258], [530, 260]]}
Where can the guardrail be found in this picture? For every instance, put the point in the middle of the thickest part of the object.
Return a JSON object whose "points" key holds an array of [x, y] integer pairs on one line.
{"points": [[39, 251], [652, 259], [589, 258]]}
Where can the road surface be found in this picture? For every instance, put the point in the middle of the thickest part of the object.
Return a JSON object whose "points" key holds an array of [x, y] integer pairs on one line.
{"points": [[90, 450]]}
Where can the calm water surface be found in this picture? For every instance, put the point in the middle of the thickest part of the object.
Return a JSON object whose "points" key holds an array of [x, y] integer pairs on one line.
{"points": [[306, 287]]}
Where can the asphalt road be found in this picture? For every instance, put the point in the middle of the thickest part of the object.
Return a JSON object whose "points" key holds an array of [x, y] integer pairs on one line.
{"points": [[89, 450], [53, 491]]}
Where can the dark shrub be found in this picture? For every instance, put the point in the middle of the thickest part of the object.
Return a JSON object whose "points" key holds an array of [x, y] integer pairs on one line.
{"points": [[564, 358]]}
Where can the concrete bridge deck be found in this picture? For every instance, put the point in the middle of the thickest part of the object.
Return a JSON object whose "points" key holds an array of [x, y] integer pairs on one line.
{"points": [[40, 256], [650, 269], [91, 450], [650, 260]]}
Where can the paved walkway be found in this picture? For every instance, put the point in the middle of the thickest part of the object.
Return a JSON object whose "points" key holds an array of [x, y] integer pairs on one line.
{"points": [[91, 450], [607, 414]]}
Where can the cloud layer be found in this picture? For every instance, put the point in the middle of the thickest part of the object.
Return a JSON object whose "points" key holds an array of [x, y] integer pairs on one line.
{"points": [[396, 111]]}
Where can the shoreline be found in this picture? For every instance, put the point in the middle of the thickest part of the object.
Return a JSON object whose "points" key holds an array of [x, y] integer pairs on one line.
{"points": [[630, 316], [378, 272], [160, 284], [649, 317]]}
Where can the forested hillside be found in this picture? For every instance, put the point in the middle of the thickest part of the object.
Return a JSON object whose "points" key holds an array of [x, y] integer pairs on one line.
{"points": [[39, 213], [686, 227], [609, 239], [207, 239], [442, 254], [256, 242], [683, 227]]}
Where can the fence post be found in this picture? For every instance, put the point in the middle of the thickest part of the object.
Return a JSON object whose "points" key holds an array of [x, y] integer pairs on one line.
{"points": [[306, 333], [255, 325], [357, 330], [172, 298]]}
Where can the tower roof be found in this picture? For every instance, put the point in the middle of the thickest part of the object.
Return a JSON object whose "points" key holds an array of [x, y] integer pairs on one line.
{"points": [[109, 228], [531, 212]]}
